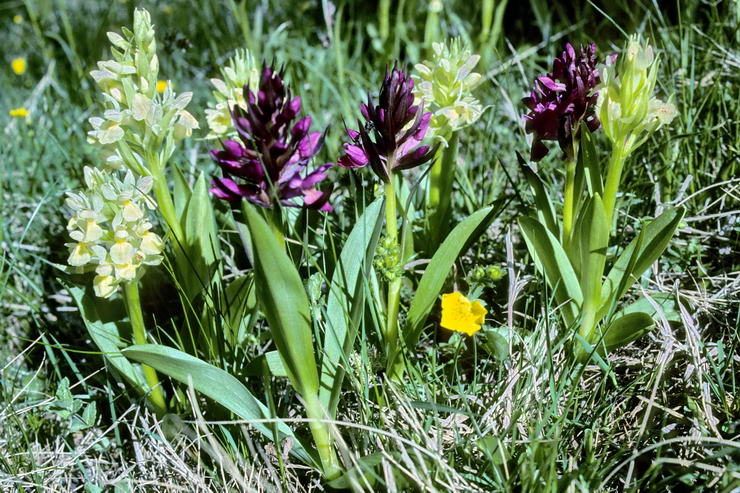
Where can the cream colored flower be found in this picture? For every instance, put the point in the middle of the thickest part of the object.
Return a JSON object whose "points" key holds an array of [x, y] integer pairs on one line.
{"points": [[239, 71], [445, 84], [110, 232], [626, 107], [140, 110]]}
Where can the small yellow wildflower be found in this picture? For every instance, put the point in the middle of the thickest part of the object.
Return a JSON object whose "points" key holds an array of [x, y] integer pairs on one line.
{"points": [[18, 65], [161, 86], [18, 19], [462, 315], [18, 113]]}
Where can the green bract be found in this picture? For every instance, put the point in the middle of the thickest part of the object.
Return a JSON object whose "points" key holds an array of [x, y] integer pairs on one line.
{"points": [[445, 84]]}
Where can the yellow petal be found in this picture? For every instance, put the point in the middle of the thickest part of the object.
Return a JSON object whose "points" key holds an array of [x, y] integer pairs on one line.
{"points": [[93, 232], [18, 112], [460, 315], [18, 65], [479, 312], [161, 86]]}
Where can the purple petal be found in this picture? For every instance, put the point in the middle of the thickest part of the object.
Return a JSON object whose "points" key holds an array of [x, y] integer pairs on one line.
{"points": [[300, 129], [309, 146], [316, 176], [226, 189], [316, 199]]}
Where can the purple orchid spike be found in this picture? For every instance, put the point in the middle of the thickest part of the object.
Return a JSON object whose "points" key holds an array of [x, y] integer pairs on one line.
{"points": [[270, 161], [562, 99], [391, 137]]}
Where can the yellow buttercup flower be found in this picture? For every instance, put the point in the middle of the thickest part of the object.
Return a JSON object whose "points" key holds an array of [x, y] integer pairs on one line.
{"points": [[18, 112], [18, 19], [462, 315], [161, 86], [18, 65]]}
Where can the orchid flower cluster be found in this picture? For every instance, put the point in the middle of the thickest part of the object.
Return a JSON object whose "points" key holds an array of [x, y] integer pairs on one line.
{"points": [[392, 138], [110, 229], [626, 104], [269, 164], [562, 99], [137, 120], [239, 72], [445, 83]]}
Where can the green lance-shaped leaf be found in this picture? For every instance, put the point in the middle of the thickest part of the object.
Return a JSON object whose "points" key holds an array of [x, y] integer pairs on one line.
{"points": [[439, 267], [651, 303], [217, 384], [626, 329], [198, 263], [181, 191], [346, 299], [594, 239], [558, 271], [265, 365], [104, 332], [543, 204], [283, 300], [638, 257]]}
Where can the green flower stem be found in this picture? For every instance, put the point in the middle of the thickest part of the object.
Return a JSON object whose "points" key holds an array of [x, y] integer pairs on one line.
{"points": [[440, 194], [569, 198], [613, 178], [435, 182], [394, 288], [321, 433], [133, 305], [166, 205]]}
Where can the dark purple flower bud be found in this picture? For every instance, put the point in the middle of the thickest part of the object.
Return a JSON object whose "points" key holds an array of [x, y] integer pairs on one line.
{"points": [[270, 163], [562, 99], [391, 136]]}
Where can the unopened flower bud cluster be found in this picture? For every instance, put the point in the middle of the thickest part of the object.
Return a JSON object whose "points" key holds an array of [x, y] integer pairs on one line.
{"points": [[445, 84], [110, 230], [388, 259], [626, 107], [137, 118], [240, 71], [487, 275]]}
